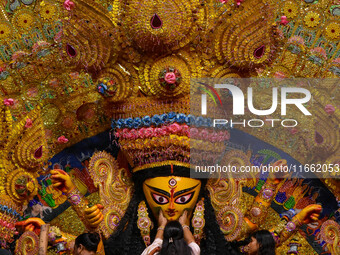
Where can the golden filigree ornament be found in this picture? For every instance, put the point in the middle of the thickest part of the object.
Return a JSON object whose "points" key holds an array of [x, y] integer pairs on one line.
{"points": [[312, 19], [23, 20], [21, 185], [290, 10], [115, 189], [95, 28], [198, 221], [151, 26], [144, 223], [169, 76], [115, 82], [5, 126], [48, 11], [225, 194], [5, 29], [24, 152], [28, 244], [330, 232], [246, 40], [224, 189], [332, 31], [27, 146], [230, 219]]}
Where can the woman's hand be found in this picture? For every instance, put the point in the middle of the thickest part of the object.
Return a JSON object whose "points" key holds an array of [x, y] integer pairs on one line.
{"points": [[162, 221], [62, 181], [157, 249], [184, 218]]}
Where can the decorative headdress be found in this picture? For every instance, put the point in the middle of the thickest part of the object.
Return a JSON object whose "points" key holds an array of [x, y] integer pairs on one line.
{"points": [[23, 153]]}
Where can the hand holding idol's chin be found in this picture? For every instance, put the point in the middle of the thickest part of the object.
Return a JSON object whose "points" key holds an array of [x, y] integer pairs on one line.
{"points": [[162, 221], [184, 219]]}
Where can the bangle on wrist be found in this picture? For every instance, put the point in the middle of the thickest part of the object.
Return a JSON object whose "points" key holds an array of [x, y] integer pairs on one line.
{"points": [[160, 228], [298, 221], [185, 226]]}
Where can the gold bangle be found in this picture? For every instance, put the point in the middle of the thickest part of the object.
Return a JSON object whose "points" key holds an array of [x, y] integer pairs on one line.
{"points": [[296, 220]]}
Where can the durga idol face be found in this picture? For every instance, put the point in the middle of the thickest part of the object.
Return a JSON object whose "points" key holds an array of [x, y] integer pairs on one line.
{"points": [[172, 195]]}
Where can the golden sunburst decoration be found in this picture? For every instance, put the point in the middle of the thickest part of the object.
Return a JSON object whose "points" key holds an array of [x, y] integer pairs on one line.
{"points": [[5, 30], [332, 31], [48, 11], [23, 20], [290, 10], [312, 19]]}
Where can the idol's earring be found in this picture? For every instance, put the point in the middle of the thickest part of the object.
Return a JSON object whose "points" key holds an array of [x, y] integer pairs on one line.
{"points": [[144, 223], [198, 221]]}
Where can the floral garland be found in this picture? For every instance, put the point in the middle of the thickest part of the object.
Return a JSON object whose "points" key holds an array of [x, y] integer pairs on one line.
{"points": [[10, 211], [166, 118], [174, 128]]}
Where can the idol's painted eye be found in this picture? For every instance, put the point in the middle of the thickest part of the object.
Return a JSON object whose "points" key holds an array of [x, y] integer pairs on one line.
{"points": [[159, 199], [184, 199]]}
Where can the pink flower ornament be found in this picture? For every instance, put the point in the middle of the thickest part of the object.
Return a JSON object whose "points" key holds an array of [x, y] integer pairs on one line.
{"points": [[193, 132], [284, 21], [62, 139], [9, 101], [293, 131], [238, 2], [149, 132], [68, 5], [329, 109], [29, 123], [170, 77], [174, 128]]}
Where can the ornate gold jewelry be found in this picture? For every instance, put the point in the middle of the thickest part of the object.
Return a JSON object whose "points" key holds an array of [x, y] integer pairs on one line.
{"points": [[115, 189], [144, 223], [23, 153], [79, 203], [198, 221], [28, 244]]}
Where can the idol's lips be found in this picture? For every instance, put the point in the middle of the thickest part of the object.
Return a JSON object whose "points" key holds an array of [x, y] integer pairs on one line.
{"points": [[171, 213]]}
